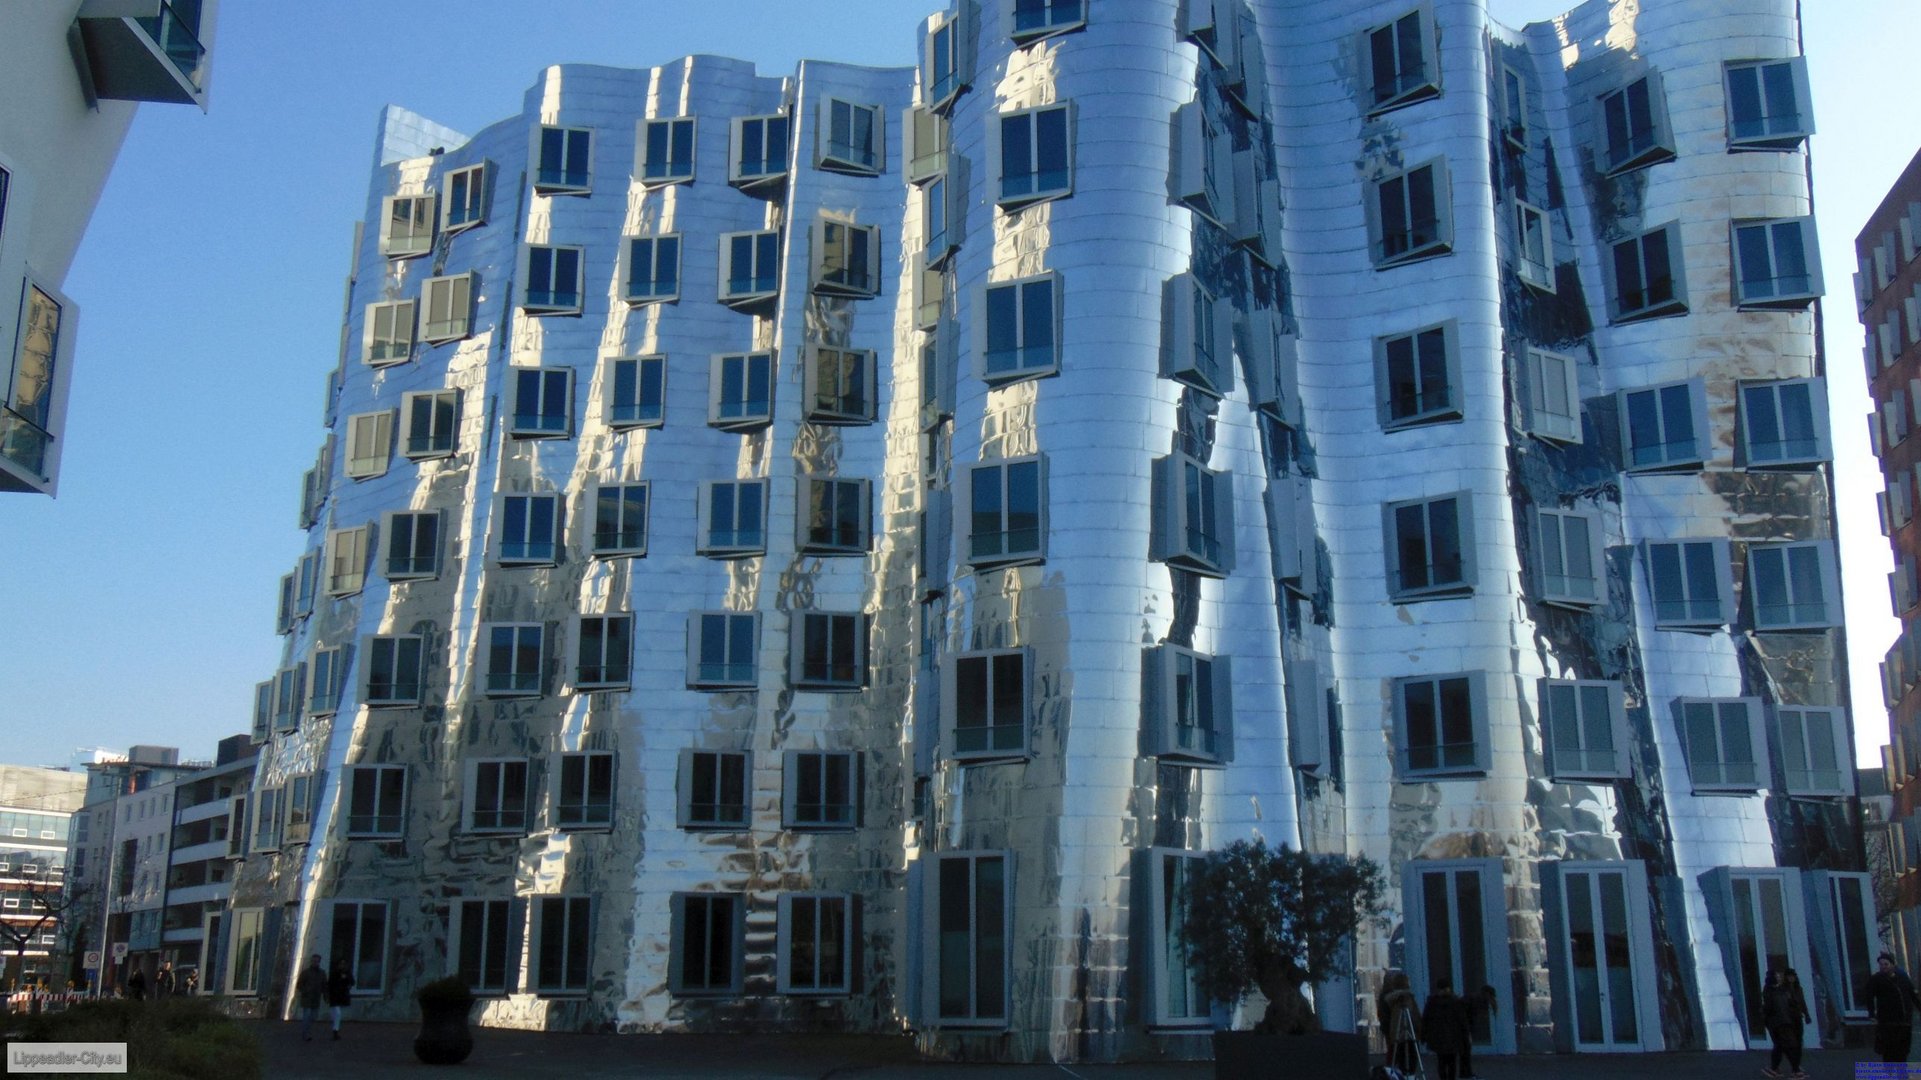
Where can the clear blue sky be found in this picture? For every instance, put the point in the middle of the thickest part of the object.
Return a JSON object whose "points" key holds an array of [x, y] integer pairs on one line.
{"points": [[138, 607]]}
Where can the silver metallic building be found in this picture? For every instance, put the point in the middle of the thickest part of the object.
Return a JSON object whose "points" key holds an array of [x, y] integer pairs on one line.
{"points": [[830, 552]]}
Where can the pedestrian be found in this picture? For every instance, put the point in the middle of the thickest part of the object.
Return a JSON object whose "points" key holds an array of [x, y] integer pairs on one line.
{"points": [[1445, 1024], [1396, 1010], [307, 992], [1891, 1005], [163, 983], [1481, 1003], [137, 985], [340, 991], [1784, 1009]]}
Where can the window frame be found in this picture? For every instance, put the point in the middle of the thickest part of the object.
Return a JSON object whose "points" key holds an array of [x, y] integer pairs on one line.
{"points": [[1408, 244], [548, 386], [821, 524], [1770, 230], [663, 165], [824, 815], [375, 820], [1198, 346], [846, 259], [1796, 618], [1552, 538], [1465, 579], [1548, 373], [949, 38], [1472, 766], [789, 952], [1006, 553], [742, 411], [1575, 760], [346, 557], [737, 143], [1796, 742], [722, 917], [574, 959], [1756, 395], [994, 741], [741, 543], [323, 690], [1643, 148], [726, 769], [477, 200], [529, 549], [1693, 613], [1406, 86], [553, 259], [1169, 968], [1184, 490], [929, 143], [400, 530], [1034, 191], [459, 304], [848, 157], [387, 658], [1674, 301], [1051, 20], [763, 282], [516, 658], [1534, 262], [370, 437], [730, 672], [1788, 136], [573, 173], [501, 811], [607, 639], [626, 539], [585, 787], [845, 650], [848, 394], [1029, 360], [1203, 694], [412, 234], [1398, 411], [434, 443], [382, 346], [363, 987], [1674, 456], [980, 1009], [659, 253], [493, 923], [1721, 782], [646, 367]]}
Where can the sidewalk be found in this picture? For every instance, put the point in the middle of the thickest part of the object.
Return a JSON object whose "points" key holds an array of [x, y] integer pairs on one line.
{"points": [[370, 1051]]}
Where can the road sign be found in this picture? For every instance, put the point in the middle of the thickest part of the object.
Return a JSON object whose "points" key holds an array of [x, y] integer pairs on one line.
{"points": [[93, 960], [119, 951]]}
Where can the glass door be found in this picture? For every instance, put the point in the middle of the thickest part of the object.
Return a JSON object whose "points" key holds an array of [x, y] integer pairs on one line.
{"points": [[1454, 939], [1761, 938], [1601, 963]]}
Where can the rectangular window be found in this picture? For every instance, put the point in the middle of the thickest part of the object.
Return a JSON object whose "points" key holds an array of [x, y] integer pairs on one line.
{"points": [[713, 789], [1193, 516], [266, 821], [840, 385], [1776, 263], [708, 931], [469, 191], [1204, 165], [496, 796], [831, 652], [987, 698], [850, 138], [554, 277], [1722, 736], [1174, 994], [1647, 278], [370, 439], [1768, 104], [1568, 543], [26, 418], [1409, 215], [733, 516], [584, 796], [759, 150], [406, 225], [636, 391], [741, 386], [1793, 586], [653, 269], [1036, 155], [243, 957], [347, 560], [413, 545], [1691, 583], [394, 664], [1513, 108], [846, 259], [945, 70], [1584, 729], [1536, 244], [433, 423], [563, 944], [1419, 377], [359, 944], [1022, 328], [326, 673], [940, 220], [1784, 423], [290, 689], [606, 652], [1187, 706], [298, 806], [1038, 18], [926, 132], [749, 267], [482, 953], [1401, 64], [815, 942], [834, 519], [514, 654], [1664, 427], [1850, 914], [972, 924], [1428, 541], [529, 529], [1554, 397], [1441, 724], [543, 402], [721, 650], [1198, 347], [387, 335], [450, 307], [620, 519], [563, 159], [667, 150], [1007, 512], [820, 789], [1635, 126], [1814, 750], [376, 801]]}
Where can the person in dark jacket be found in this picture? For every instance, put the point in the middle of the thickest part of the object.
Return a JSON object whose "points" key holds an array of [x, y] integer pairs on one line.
{"points": [[1891, 1004], [340, 991], [1400, 1025], [308, 989], [137, 985], [1447, 1027], [1784, 1009]]}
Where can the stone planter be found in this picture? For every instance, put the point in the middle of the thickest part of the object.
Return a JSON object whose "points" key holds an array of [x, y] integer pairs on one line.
{"points": [[444, 1038], [1333, 1055]]}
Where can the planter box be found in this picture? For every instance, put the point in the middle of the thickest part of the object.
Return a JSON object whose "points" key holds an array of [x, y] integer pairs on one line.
{"points": [[1323, 1055]]}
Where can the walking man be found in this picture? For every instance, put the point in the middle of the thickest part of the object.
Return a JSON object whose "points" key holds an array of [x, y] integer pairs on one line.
{"points": [[340, 991], [307, 991], [1444, 1022], [1891, 1004]]}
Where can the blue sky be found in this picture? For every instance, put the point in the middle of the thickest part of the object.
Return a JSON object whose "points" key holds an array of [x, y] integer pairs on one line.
{"points": [[139, 605]]}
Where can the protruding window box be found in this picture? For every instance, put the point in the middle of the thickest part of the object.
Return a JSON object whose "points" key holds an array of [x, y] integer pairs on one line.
{"points": [[144, 50]]}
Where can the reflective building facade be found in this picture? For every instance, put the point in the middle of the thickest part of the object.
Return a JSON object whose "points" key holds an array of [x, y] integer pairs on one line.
{"points": [[830, 552]]}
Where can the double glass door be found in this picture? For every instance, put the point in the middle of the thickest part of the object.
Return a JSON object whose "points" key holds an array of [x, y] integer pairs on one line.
{"points": [[1601, 962]]}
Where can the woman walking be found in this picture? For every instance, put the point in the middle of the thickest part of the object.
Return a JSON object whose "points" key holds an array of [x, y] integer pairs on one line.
{"points": [[1784, 1009], [340, 991]]}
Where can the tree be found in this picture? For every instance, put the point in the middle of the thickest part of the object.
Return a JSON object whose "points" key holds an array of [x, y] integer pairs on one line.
{"points": [[1275, 919], [43, 904]]}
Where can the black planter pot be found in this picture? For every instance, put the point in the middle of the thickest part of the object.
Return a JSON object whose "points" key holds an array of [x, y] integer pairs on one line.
{"points": [[1333, 1055], [444, 1038]]}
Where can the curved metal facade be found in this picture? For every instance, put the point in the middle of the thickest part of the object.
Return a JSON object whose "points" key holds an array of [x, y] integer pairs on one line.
{"points": [[1197, 490]]}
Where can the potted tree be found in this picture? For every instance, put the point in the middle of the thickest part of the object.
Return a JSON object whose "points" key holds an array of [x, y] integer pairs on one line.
{"points": [[1276, 919], [444, 1038]]}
